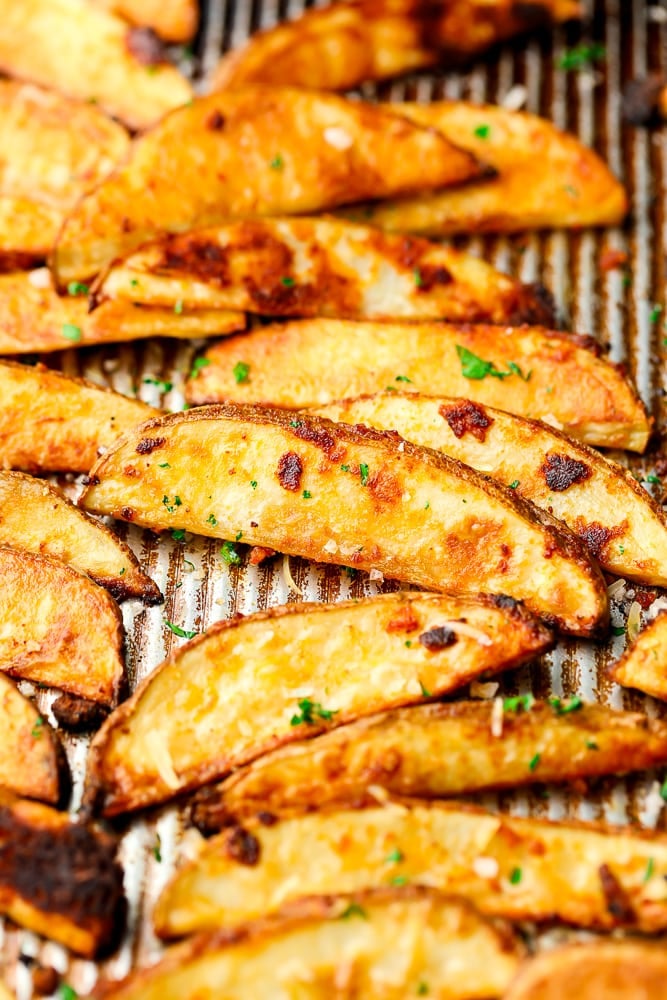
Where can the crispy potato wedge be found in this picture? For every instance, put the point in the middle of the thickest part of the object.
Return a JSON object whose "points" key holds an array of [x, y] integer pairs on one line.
{"points": [[5, 993], [32, 762], [560, 379], [59, 628], [173, 20], [601, 970], [303, 151], [246, 681], [644, 662], [545, 178], [34, 318], [623, 527], [342, 45], [590, 875], [351, 496], [436, 751], [440, 946], [52, 423], [87, 53], [36, 517], [323, 267], [59, 878]]}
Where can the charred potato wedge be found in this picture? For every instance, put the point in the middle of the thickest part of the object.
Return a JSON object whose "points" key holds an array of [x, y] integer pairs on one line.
{"points": [[342, 45], [303, 151], [644, 663], [440, 946], [59, 878], [435, 751], [52, 423], [283, 679], [623, 527], [89, 54], [322, 267], [32, 762], [36, 517], [555, 377], [589, 875], [59, 628], [305, 486], [173, 20], [545, 178]]}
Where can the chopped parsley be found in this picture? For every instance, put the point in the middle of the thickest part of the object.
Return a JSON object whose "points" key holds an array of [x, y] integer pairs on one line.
{"points": [[395, 857], [363, 473], [482, 131], [67, 992], [178, 307], [162, 386], [212, 519], [515, 369], [518, 702], [425, 692], [253, 483], [473, 367], [653, 479], [197, 366], [353, 910], [399, 880], [618, 630], [230, 554], [649, 870], [655, 314], [182, 633], [390, 388], [72, 332], [287, 282], [157, 848], [238, 536], [663, 790], [134, 283], [178, 534], [310, 711], [422, 989], [37, 729], [277, 163], [173, 504], [241, 371], [515, 876], [164, 465], [345, 468], [408, 643], [77, 288], [307, 495], [591, 745], [403, 378], [561, 707], [514, 484], [534, 761], [581, 56], [417, 277]]}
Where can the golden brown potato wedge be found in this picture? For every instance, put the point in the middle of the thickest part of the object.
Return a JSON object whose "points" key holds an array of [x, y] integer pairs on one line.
{"points": [[59, 878], [52, 423], [436, 751], [354, 496], [37, 517], [598, 499], [253, 152], [86, 53], [247, 686], [59, 628], [173, 20], [586, 874], [644, 662], [337, 946], [5, 993], [34, 318], [323, 267], [600, 970], [32, 762], [555, 377], [342, 45], [545, 178]]}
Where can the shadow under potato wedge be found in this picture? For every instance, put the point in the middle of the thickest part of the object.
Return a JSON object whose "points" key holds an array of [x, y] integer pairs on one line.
{"points": [[59, 628], [436, 751], [323, 267], [52, 423], [620, 523], [36, 517], [643, 665], [337, 946], [32, 761], [302, 485], [589, 875], [537, 373], [245, 687], [175, 20], [252, 152]]}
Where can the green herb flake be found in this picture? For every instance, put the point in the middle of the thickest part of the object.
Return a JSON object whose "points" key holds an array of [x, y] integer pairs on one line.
{"points": [[482, 131], [178, 534], [363, 473], [171, 505], [307, 495], [353, 910], [162, 386], [592, 745], [515, 876], [164, 465], [212, 519], [425, 692], [650, 867], [653, 479], [253, 483], [134, 283], [287, 282], [408, 643], [422, 989], [390, 388], [417, 277], [518, 702], [534, 761], [402, 378], [178, 307], [395, 857], [182, 633], [581, 57], [516, 370], [191, 568], [37, 729], [561, 707], [513, 485], [197, 366], [122, 572], [277, 163], [230, 554], [77, 288], [72, 332], [238, 536], [618, 630], [476, 368], [157, 848], [310, 711], [398, 880], [345, 468], [66, 992], [656, 313], [241, 371]]}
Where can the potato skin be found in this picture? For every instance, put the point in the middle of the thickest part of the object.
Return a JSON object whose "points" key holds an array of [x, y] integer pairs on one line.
{"points": [[32, 760], [643, 665]]}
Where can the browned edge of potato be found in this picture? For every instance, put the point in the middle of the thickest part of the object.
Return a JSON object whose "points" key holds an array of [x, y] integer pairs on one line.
{"points": [[37, 517], [59, 878], [290, 673], [558, 378], [32, 761], [418, 516], [643, 665], [175, 21]]}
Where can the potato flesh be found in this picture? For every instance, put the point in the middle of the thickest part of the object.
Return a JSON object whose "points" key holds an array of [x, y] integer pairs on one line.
{"points": [[599, 500], [440, 845], [243, 682], [298, 364], [175, 20], [644, 663], [29, 760]]}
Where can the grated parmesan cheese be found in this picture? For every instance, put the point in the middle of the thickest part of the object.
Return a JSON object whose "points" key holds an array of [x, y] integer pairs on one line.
{"points": [[40, 278], [515, 98], [481, 690], [634, 620], [497, 718], [376, 575], [331, 547], [338, 137], [486, 867]]}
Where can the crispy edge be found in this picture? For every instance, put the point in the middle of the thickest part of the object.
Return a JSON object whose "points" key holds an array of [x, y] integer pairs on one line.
{"points": [[50, 780], [640, 665]]}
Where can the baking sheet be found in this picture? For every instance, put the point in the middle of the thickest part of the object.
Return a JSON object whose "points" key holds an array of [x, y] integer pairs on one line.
{"points": [[616, 306]]}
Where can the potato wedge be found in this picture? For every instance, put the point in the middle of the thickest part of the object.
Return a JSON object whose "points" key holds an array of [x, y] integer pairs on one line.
{"points": [[304, 486], [342, 45], [545, 178], [556, 377], [59, 628], [86, 53], [436, 751], [5, 993], [52, 423], [173, 20], [32, 762], [644, 662], [303, 152], [323, 267], [36, 517], [586, 874], [441, 947], [601, 970], [598, 499], [59, 878], [34, 318], [289, 673]]}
